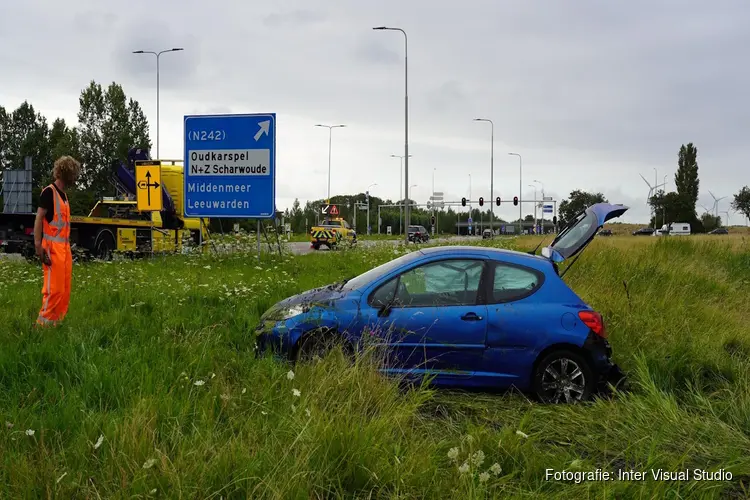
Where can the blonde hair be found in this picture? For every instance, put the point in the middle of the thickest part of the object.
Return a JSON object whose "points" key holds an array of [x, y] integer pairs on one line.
{"points": [[66, 169]]}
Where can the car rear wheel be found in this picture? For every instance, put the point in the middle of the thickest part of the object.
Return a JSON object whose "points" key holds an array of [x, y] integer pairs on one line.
{"points": [[563, 377]]}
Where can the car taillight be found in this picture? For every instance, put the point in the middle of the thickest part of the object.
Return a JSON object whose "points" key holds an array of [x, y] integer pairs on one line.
{"points": [[593, 320]]}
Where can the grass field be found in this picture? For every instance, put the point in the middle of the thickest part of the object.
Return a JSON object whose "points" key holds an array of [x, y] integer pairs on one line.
{"points": [[151, 389]]}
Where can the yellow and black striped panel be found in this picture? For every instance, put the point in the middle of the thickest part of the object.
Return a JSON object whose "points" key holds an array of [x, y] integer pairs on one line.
{"points": [[322, 234]]}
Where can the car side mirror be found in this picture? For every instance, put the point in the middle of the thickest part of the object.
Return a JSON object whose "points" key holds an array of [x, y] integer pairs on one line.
{"points": [[384, 310]]}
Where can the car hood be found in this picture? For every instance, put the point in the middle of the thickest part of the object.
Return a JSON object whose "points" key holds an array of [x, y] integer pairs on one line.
{"points": [[579, 233], [320, 297]]}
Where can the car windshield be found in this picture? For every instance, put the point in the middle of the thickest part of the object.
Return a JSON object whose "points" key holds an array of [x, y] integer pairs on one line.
{"points": [[377, 272]]}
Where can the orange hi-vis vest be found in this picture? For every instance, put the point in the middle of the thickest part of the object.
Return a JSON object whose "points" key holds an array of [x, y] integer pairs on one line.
{"points": [[57, 231]]}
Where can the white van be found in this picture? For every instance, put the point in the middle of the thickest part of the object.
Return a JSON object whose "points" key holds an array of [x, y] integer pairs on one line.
{"points": [[673, 229]]}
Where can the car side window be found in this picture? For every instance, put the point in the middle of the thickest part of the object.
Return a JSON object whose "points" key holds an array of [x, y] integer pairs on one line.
{"points": [[384, 295], [513, 283], [445, 283]]}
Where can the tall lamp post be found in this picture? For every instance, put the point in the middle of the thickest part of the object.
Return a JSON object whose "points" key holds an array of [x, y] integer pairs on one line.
{"points": [[400, 191], [368, 208], [492, 169], [540, 182], [330, 133], [406, 124], [535, 219], [157, 54], [520, 183]]}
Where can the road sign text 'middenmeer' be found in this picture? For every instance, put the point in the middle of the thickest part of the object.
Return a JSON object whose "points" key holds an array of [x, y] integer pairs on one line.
{"points": [[230, 166]]}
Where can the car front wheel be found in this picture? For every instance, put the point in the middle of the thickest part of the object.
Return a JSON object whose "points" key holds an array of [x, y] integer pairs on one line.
{"points": [[563, 377]]}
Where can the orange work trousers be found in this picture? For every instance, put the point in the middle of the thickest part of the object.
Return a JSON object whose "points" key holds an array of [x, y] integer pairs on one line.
{"points": [[56, 287]]}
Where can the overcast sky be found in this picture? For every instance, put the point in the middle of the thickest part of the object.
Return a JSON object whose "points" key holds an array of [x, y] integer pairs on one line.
{"points": [[591, 93]]}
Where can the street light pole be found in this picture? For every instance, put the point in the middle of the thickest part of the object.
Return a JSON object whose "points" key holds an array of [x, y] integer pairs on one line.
{"points": [[368, 209], [400, 192], [157, 54], [492, 169], [406, 124], [520, 189], [540, 182], [330, 133], [535, 219]]}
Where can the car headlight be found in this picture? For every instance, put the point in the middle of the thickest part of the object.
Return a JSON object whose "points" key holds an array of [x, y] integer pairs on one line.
{"points": [[290, 312]]}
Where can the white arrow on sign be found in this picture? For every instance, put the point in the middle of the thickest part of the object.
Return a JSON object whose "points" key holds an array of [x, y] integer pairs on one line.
{"points": [[264, 125]]}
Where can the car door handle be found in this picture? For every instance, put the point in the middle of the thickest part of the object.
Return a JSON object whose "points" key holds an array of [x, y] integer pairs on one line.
{"points": [[471, 317]]}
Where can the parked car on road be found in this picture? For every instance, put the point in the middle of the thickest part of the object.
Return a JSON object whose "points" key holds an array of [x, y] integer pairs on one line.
{"points": [[644, 231], [486, 234], [471, 316]]}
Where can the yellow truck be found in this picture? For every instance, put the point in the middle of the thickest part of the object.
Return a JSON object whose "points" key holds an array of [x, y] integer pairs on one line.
{"points": [[115, 224], [331, 232]]}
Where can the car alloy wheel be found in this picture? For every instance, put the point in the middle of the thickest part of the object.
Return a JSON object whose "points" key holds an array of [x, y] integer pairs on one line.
{"points": [[563, 377]]}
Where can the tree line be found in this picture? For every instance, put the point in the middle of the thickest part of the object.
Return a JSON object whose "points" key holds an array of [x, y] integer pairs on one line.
{"points": [[109, 123], [675, 206]]}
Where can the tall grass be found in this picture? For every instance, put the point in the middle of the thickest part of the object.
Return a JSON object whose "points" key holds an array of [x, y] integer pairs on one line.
{"points": [[151, 388]]}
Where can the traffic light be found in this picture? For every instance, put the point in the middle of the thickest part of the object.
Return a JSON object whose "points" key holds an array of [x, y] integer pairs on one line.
{"points": [[432, 220], [515, 200], [463, 202], [497, 201], [481, 201], [554, 220]]}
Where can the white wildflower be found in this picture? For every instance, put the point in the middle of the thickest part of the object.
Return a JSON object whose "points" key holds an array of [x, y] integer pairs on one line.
{"points": [[199, 382], [149, 463], [453, 453], [483, 477], [153, 492], [464, 468], [522, 434], [99, 442], [290, 375], [496, 469], [469, 438], [244, 390], [296, 392], [30, 432], [478, 458]]}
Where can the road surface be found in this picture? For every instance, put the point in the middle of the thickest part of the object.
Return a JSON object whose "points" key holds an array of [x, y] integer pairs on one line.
{"points": [[302, 248]]}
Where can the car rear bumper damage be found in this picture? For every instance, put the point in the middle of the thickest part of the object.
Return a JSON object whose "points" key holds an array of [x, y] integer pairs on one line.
{"points": [[608, 373]]}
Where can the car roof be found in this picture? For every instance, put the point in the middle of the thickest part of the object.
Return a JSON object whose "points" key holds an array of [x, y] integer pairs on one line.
{"points": [[501, 254]]}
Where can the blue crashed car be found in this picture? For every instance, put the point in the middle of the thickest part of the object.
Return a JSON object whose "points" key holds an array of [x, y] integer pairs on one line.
{"points": [[467, 316]]}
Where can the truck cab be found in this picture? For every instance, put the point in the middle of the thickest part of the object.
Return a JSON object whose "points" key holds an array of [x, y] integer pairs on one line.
{"points": [[330, 232]]}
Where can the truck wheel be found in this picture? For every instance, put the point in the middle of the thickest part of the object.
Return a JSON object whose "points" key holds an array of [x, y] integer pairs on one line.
{"points": [[316, 246], [104, 245]]}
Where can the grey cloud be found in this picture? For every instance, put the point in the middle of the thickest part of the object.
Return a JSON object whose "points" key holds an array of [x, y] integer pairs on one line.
{"points": [[371, 51], [294, 17]]}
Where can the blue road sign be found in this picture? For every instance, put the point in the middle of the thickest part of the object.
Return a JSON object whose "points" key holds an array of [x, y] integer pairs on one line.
{"points": [[547, 209], [470, 221], [230, 166]]}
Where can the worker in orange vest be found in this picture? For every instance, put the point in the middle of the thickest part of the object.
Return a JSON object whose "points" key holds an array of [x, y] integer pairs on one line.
{"points": [[52, 241]]}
